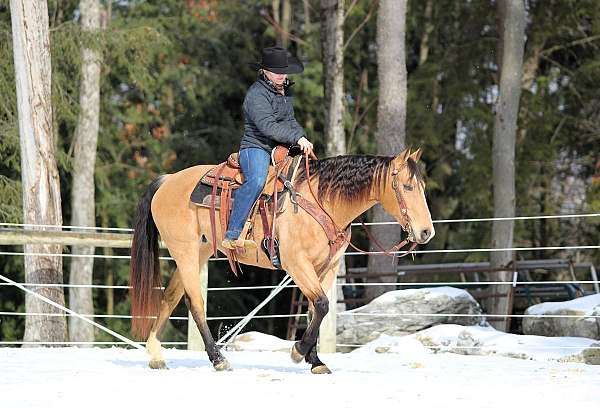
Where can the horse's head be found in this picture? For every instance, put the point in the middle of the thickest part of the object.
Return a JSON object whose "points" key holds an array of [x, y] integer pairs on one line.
{"points": [[403, 197]]}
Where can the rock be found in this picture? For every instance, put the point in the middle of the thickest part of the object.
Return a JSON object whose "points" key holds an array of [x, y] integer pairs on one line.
{"points": [[588, 327], [367, 323], [486, 341], [591, 355], [467, 344]]}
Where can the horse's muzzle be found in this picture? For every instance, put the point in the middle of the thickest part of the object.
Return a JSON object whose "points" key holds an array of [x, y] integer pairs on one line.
{"points": [[424, 236]]}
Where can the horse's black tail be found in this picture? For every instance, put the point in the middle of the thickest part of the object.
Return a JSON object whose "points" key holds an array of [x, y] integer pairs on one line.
{"points": [[144, 272]]}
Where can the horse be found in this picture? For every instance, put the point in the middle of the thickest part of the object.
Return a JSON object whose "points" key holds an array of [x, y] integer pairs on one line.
{"points": [[346, 186]]}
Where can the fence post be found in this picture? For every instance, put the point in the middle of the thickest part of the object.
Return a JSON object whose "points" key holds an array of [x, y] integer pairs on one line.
{"points": [[194, 339], [328, 330], [594, 278]]}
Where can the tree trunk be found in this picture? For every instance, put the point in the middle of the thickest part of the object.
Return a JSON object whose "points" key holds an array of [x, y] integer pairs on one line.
{"points": [[391, 123], [275, 4], [282, 15], [39, 173], [511, 28], [332, 49], [84, 160], [332, 43], [286, 21], [306, 4]]}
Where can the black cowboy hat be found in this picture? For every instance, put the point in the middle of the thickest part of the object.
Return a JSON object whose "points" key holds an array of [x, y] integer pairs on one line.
{"points": [[279, 61]]}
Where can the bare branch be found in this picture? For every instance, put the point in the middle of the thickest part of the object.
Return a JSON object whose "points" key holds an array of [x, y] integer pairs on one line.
{"points": [[271, 21], [581, 41], [349, 9], [360, 26]]}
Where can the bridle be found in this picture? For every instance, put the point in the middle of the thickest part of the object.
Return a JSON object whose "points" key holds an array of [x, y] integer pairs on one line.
{"points": [[406, 225], [405, 221]]}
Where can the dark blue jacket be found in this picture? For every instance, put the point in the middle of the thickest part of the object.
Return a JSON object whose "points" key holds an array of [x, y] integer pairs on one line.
{"points": [[269, 117]]}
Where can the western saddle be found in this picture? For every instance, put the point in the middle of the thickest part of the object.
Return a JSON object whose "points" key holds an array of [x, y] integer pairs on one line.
{"points": [[215, 188]]}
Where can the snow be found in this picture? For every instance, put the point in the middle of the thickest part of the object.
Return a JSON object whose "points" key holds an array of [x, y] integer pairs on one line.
{"points": [[584, 305], [448, 291], [480, 340], [430, 293], [72, 377], [257, 341]]}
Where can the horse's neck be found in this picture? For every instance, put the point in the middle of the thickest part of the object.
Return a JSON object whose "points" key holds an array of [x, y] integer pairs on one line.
{"points": [[341, 211], [344, 212]]}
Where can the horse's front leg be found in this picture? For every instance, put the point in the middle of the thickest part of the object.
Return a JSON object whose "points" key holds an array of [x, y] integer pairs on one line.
{"points": [[314, 289], [309, 339], [316, 365], [312, 358]]}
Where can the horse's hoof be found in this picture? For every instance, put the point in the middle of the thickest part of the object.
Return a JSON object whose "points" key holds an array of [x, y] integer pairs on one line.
{"points": [[296, 356], [322, 369], [223, 366], [158, 365]]}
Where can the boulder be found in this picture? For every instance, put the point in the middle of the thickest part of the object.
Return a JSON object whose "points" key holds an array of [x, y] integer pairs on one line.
{"points": [[588, 327], [486, 341], [407, 311], [591, 355]]}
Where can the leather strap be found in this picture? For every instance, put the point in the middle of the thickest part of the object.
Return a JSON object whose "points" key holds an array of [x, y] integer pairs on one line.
{"points": [[224, 210], [224, 215], [335, 237], [213, 197], [274, 214], [263, 217], [396, 247], [401, 203]]}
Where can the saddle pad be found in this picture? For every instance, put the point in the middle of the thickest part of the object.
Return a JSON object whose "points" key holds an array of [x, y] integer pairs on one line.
{"points": [[201, 196]]}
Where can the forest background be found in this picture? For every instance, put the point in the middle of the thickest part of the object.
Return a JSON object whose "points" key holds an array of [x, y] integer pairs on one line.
{"points": [[174, 74]]}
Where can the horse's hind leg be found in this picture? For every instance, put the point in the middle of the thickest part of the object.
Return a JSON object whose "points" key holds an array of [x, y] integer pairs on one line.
{"points": [[172, 296], [188, 256]]}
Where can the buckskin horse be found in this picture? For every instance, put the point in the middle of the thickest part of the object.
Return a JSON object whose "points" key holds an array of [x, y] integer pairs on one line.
{"points": [[346, 186]]}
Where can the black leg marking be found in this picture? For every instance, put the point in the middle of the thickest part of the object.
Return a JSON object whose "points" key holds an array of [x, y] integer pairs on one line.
{"points": [[309, 340], [312, 358], [214, 354]]}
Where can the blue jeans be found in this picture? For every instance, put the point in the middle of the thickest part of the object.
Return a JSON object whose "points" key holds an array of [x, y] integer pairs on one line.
{"points": [[255, 166]]}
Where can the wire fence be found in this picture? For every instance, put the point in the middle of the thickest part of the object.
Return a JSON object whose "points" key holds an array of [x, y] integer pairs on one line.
{"points": [[416, 252], [339, 284], [348, 314], [82, 343], [342, 284], [443, 221]]}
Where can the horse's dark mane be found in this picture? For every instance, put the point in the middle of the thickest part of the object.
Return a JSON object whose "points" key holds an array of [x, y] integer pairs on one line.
{"points": [[351, 178]]}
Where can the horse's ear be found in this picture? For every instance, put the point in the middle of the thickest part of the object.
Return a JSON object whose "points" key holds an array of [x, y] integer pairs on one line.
{"points": [[404, 155], [416, 155]]}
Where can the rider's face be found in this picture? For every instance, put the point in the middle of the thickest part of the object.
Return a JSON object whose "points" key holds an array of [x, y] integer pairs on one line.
{"points": [[275, 78]]}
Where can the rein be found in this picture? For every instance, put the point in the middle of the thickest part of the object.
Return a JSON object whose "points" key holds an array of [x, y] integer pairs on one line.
{"points": [[342, 234]]}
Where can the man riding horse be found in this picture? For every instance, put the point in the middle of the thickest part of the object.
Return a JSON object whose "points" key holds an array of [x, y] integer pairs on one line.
{"points": [[268, 121], [313, 229]]}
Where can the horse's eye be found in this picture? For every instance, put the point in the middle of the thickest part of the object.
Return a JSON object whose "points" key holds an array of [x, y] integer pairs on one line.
{"points": [[408, 187]]}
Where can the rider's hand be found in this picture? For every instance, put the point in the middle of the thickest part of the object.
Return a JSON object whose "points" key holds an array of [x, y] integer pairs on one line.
{"points": [[305, 145]]}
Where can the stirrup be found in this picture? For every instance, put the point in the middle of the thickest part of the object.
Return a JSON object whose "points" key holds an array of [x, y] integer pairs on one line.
{"points": [[238, 243], [274, 257]]}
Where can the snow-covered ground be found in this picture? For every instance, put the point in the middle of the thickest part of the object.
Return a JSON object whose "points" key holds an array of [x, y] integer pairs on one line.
{"points": [[82, 378], [478, 340], [585, 305]]}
